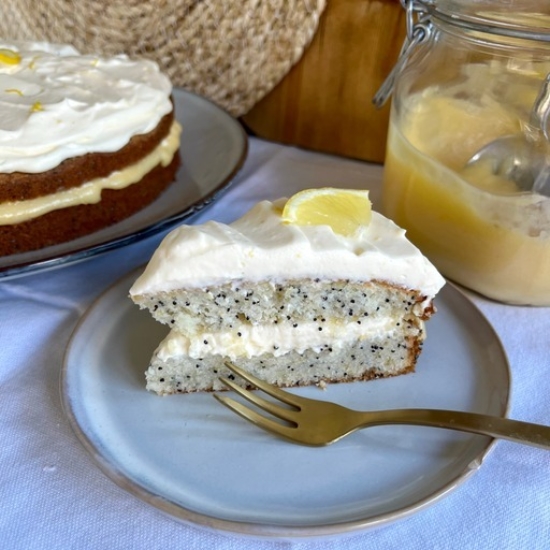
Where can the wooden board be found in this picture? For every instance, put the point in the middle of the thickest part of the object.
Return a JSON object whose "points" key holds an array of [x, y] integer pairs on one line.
{"points": [[325, 101]]}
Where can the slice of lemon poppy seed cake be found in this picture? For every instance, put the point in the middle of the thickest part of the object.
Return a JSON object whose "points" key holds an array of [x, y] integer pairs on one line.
{"points": [[311, 290]]}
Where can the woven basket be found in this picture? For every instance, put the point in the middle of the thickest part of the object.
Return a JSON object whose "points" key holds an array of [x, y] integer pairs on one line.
{"points": [[230, 51]]}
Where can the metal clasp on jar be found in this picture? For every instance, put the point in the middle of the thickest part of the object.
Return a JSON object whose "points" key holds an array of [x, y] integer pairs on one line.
{"points": [[419, 30]]}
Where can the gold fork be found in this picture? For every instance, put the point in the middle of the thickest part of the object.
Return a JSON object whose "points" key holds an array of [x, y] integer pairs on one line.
{"points": [[313, 422]]}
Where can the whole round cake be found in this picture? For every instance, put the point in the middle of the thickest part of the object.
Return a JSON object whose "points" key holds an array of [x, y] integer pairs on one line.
{"points": [[85, 142]]}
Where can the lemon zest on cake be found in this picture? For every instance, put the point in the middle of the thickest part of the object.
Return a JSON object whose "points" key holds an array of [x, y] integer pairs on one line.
{"points": [[13, 91], [9, 57], [344, 210]]}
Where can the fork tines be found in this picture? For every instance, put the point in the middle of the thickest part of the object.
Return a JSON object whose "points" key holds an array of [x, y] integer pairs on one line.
{"points": [[284, 413]]}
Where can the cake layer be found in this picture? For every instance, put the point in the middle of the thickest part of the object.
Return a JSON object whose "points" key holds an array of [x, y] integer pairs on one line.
{"points": [[381, 355], [76, 221], [238, 304]]}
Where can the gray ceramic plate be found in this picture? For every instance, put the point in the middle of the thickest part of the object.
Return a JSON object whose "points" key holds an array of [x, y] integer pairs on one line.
{"points": [[213, 148], [192, 458]]}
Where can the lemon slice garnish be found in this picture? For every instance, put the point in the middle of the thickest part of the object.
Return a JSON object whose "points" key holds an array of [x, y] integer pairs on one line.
{"points": [[345, 210], [9, 57]]}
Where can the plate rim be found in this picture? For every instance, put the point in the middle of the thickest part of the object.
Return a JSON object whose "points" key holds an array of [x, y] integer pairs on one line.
{"points": [[263, 530], [82, 253]]}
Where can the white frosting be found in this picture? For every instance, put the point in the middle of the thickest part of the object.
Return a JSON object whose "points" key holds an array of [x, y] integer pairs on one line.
{"points": [[57, 104], [274, 339], [259, 246]]}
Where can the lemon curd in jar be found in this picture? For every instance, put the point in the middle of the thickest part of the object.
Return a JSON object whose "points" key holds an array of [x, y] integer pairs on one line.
{"points": [[477, 228]]}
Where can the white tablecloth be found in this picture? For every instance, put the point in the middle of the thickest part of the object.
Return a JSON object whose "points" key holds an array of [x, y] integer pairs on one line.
{"points": [[53, 496]]}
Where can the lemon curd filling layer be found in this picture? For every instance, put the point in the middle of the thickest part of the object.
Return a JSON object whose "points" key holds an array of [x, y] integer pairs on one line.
{"points": [[90, 192], [277, 340]]}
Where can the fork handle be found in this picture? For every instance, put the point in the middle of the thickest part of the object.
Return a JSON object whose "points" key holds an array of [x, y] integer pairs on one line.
{"points": [[518, 431]]}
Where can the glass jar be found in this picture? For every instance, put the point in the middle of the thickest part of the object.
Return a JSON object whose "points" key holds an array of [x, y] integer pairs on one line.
{"points": [[469, 74]]}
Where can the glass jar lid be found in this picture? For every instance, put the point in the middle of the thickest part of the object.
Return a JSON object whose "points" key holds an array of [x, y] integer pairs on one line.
{"points": [[507, 19], [528, 19]]}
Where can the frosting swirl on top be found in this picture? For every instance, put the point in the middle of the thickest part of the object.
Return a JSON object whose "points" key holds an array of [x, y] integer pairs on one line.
{"points": [[261, 246], [56, 104]]}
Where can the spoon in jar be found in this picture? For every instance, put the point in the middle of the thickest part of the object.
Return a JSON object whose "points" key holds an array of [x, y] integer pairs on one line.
{"points": [[523, 159]]}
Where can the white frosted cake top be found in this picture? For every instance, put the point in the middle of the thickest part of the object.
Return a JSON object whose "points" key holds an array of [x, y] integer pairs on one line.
{"points": [[260, 246], [56, 104]]}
